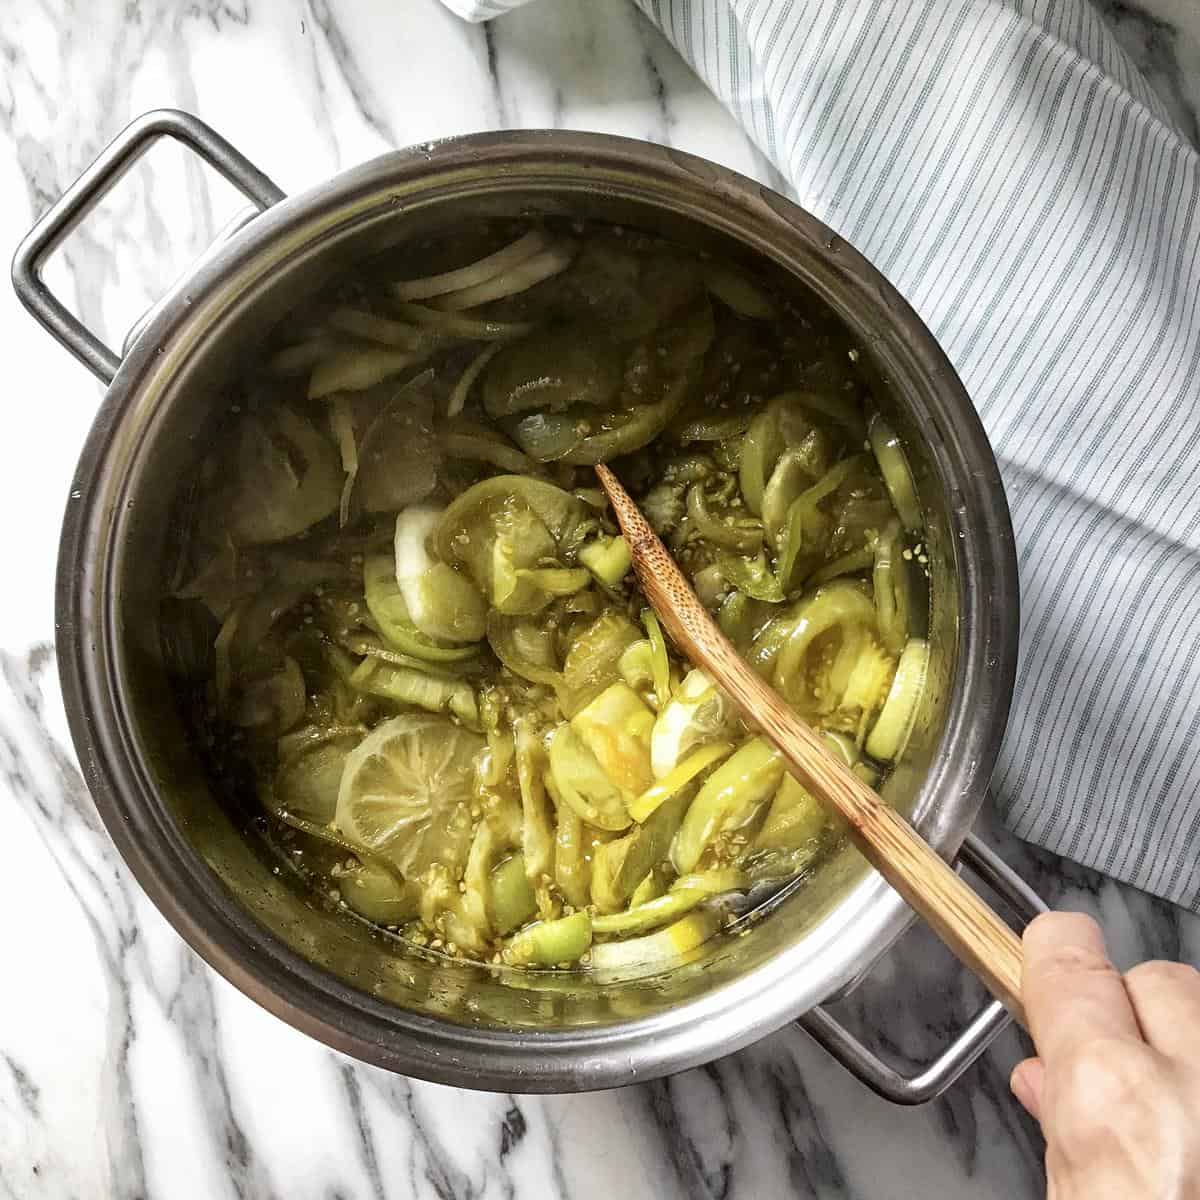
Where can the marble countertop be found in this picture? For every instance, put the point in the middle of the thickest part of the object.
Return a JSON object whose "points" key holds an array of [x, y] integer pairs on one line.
{"points": [[127, 1067]]}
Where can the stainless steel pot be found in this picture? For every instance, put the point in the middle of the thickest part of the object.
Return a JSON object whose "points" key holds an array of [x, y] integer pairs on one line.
{"points": [[322, 971]]}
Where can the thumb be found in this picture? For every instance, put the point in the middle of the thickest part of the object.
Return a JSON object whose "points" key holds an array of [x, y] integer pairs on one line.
{"points": [[1027, 1083]]}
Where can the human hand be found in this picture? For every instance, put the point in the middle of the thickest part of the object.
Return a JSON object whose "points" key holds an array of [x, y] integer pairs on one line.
{"points": [[1116, 1084]]}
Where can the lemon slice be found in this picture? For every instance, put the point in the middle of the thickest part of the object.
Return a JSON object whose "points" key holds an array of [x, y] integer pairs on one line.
{"points": [[698, 713], [407, 788]]}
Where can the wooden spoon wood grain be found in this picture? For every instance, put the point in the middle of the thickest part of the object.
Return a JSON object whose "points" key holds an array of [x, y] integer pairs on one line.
{"points": [[965, 923]]}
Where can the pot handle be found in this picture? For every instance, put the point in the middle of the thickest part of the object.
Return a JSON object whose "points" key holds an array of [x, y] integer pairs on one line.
{"points": [[885, 1080], [78, 200]]}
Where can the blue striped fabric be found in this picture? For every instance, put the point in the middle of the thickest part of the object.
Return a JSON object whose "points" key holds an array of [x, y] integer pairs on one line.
{"points": [[1012, 173]]}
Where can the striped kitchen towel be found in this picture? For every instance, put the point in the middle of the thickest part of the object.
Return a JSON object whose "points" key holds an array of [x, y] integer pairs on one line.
{"points": [[1011, 172]]}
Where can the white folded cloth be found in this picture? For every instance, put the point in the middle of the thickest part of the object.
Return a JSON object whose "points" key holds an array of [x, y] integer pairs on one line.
{"points": [[1011, 172]]}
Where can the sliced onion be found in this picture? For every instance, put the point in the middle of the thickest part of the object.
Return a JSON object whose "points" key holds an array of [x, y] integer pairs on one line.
{"points": [[342, 425], [806, 527], [370, 328], [302, 356], [356, 370], [462, 389], [460, 325], [537, 822], [520, 278], [367, 645], [223, 651], [472, 274], [476, 443]]}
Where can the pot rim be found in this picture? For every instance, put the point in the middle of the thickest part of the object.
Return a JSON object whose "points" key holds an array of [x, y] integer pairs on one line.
{"points": [[261, 965]]}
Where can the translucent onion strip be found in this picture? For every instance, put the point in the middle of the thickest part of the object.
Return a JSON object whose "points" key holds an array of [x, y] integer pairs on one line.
{"points": [[302, 356], [473, 274], [459, 325], [469, 442], [466, 381], [534, 269], [342, 425], [356, 370], [371, 328], [224, 659]]}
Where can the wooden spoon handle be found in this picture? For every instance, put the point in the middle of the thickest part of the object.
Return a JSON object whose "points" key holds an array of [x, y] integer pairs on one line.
{"points": [[960, 917]]}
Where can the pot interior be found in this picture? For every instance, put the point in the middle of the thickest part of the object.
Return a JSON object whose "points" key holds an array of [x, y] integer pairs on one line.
{"points": [[206, 863]]}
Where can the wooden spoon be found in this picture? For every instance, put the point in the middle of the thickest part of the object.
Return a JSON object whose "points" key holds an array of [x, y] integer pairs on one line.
{"points": [[967, 925]]}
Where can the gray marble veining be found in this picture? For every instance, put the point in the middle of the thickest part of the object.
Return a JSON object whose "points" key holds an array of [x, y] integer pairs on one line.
{"points": [[1163, 40], [129, 1069]]}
